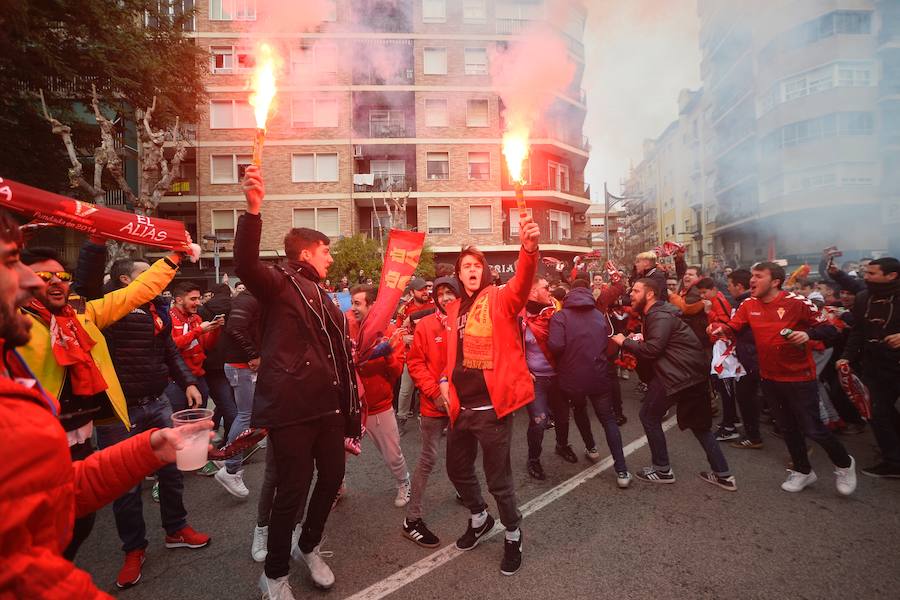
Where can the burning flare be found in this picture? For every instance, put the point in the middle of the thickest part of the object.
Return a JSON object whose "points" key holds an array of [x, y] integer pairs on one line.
{"points": [[264, 88], [515, 149]]}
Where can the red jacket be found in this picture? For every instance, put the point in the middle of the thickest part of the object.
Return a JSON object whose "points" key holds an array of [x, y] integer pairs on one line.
{"points": [[427, 358], [720, 311], [191, 340], [411, 307], [379, 375], [509, 382], [42, 491]]}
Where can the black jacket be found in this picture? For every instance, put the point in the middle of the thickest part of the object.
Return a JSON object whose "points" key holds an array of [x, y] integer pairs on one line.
{"points": [[674, 350], [876, 314], [745, 345], [306, 368], [215, 357], [579, 334], [241, 338]]}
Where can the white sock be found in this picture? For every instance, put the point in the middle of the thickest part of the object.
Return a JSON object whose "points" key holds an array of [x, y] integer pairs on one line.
{"points": [[514, 536], [479, 519]]}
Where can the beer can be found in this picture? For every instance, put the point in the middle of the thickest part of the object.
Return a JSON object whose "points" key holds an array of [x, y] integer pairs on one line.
{"points": [[786, 332]]}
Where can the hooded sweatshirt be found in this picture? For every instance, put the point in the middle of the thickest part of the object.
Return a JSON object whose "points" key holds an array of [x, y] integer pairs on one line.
{"points": [[578, 337]]}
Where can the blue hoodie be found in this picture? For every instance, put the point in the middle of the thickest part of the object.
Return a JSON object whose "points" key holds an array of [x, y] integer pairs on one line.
{"points": [[579, 334]]}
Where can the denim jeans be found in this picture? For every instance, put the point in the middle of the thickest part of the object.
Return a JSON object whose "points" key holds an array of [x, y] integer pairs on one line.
{"points": [[656, 403], [726, 389], [603, 406], [406, 397], [221, 392], [83, 525], [243, 384], [431, 430], [538, 413], [797, 412], [128, 508], [179, 401]]}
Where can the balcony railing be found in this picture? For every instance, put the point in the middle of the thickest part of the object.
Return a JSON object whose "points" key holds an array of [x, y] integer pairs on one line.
{"points": [[183, 186], [388, 182], [512, 26], [388, 130]]}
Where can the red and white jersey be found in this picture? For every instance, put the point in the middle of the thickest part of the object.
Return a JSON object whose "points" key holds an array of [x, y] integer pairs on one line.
{"points": [[779, 360]]}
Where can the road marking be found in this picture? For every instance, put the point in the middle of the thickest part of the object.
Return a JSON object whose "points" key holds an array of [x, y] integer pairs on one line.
{"points": [[407, 575]]}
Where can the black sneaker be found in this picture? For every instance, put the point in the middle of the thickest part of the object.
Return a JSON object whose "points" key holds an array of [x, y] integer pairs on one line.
{"points": [[536, 470], [883, 469], [724, 434], [470, 538], [567, 453], [726, 483], [512, 556], [652, 475], [420, 534], [746, 444], [621, 420]]}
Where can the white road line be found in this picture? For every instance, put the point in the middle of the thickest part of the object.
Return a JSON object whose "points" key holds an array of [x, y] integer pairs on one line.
{"points": [[394, 582]]}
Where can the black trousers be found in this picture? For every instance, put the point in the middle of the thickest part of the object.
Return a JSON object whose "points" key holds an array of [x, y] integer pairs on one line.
{"points": [[298, 450], [747, 400], [83, 525]]}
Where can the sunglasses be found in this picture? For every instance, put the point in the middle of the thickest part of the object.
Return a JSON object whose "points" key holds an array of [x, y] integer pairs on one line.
{"points": [[48, 276]]}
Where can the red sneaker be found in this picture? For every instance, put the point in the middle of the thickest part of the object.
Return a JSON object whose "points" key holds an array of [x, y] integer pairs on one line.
{"points": [[130, 573], [186, 537]]}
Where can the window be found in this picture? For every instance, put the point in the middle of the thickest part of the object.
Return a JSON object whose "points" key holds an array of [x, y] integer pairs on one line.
{"points": [[228, 168], [389, 174], [438, 219], [314, 167], [476, 61], [326, 57], [438, 165], [560, 225], [477, 113], [232, 10], [330, 11], [434, 11], [859, 75], [223, 222], [474, 11], [231, 114], [303, 60], [435, 61], [314, 112], [479, 166], [325, 220], [514, 220], [558, 176], [387, 123], [480, 219], [435, 113], [228, 59]]}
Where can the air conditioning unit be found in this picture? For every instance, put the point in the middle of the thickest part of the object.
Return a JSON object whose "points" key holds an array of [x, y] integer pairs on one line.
{"points": [[410, 74], [357, 152]]}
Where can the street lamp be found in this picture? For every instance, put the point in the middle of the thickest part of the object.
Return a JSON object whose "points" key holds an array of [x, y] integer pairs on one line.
{"points": [[217, 239]]}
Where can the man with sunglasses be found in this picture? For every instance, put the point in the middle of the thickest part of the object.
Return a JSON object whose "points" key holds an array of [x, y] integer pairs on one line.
{"points": [[68, 354]]}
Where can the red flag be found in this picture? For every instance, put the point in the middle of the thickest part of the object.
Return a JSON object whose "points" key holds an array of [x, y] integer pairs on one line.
{"points": [[404, 249], [92, 219]]}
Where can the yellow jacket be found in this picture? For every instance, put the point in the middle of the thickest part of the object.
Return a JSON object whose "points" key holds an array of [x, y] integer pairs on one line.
{"points": [[98, 314]]}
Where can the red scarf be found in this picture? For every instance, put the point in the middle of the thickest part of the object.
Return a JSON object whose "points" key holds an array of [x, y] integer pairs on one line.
{"points": [[72, 349]]}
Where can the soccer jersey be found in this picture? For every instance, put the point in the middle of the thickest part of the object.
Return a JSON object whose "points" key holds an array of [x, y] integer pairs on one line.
{"points": [[780, 360]]}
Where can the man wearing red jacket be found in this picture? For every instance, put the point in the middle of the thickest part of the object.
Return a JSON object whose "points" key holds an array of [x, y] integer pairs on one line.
{"points": [[426, 360], [421, 300], [486, 379], [378, 378], [41, 489], [782, 324], [194, 337]]}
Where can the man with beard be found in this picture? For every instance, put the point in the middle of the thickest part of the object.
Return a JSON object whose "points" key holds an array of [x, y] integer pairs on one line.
{"points": [[421, 300], [426, 361], [305, 391], [680, 378], [41, 489], [875, 338], [69, 355], [194, 337], [782, 324], [486, 379]]}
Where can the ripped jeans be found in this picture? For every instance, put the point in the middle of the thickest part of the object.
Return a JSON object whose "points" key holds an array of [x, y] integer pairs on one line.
{"points": [[545, 388]]}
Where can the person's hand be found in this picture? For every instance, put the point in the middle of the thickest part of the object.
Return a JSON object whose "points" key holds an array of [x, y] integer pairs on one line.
{"points": [[707, 305], [840, 363], [193, 395], [442, 403], [529, 234], [254, 189], [893, 341], [715, 330], [253, 365], [208, 326], [224, 277], [798, 337], [165, 442], [618, 339]]}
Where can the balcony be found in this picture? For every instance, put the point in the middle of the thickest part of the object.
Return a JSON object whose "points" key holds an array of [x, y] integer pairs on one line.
{"points": [[513, 26], [385, 182], [182, 186], [383, 129]]}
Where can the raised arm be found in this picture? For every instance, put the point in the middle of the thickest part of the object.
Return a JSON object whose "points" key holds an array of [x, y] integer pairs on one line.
{"points": [[263, 281], [514, 295], [113, 306]]}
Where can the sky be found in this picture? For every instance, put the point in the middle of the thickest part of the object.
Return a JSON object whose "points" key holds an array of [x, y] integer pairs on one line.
{"points": [[639, 55]]}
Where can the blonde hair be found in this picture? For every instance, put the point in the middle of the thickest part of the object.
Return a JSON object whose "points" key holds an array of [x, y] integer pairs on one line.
{"points": [[648, 255]]}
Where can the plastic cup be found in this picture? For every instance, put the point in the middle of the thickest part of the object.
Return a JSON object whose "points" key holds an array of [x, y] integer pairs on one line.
{"points": [[193, 455]]}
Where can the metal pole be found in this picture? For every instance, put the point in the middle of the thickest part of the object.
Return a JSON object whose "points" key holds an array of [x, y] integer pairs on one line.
{"points": [[216, 258], [605, 222]]}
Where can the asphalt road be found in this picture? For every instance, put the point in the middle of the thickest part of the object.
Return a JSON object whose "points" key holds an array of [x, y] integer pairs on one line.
{"points": [[687, 540]]}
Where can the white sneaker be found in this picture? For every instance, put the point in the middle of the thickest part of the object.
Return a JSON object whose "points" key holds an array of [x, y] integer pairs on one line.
{"points": [[259, 548], [233, 484], [321, 573], [796, 481], [275, 589], [845, 479], [403, 493]]}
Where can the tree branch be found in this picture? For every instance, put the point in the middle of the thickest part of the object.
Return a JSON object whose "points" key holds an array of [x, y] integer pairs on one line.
{"points": [[76, 177], [107, 155]]}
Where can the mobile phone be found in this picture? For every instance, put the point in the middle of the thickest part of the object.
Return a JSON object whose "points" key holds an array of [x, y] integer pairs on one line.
{"points": [[219, 316]]}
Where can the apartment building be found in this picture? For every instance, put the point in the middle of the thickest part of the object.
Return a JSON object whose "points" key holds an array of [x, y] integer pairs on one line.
{"points": [[385, 100]]}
